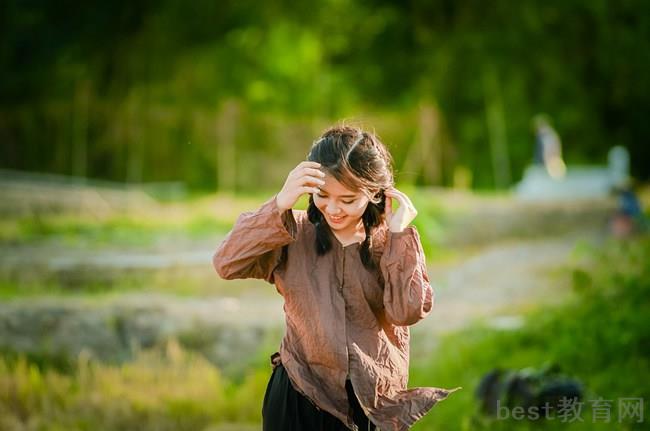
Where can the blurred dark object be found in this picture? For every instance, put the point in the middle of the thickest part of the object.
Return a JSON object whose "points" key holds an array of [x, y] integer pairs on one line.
{"points": [[544, 390], [629, 219]]}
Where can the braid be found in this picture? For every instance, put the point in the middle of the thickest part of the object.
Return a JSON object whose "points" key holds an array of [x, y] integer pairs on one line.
{"points": [[323, 240], [371, 218], [360, 162], [366, 246]]}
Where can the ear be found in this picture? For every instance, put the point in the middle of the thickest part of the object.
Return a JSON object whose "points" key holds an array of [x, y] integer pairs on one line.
{"points": [[379, 195], [382, 199]]}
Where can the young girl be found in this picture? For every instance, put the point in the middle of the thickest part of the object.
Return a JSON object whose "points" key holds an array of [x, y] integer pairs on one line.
{"points": [[353, 277]]}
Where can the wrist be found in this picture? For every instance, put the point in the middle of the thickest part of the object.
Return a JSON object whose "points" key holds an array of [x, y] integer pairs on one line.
{"points": [[397, 228], [404, 230], [280, 208]]}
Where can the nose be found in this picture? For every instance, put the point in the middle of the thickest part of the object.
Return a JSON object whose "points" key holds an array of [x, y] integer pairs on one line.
{"points": [[332, 209]]}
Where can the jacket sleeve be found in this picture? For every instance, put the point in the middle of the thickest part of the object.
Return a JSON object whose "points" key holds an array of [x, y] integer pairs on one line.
{"points": [[253, 248], [408, 296]]}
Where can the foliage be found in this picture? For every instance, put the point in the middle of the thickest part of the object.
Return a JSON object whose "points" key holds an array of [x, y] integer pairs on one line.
{"points": [[210, 92], [175, 391], [192, 219], [599, 337]]}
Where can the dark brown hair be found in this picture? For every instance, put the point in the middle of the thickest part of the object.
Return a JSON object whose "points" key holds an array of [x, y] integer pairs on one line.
{"points": [[358, 160]]}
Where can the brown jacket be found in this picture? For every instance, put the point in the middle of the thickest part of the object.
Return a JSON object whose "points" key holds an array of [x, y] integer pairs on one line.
{"points": [[342, 320]]}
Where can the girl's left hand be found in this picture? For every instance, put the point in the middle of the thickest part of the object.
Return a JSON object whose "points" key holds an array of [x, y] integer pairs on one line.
{"points": [[400, 219]]}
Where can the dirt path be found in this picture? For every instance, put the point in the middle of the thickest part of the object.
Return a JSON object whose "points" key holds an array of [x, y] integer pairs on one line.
{"points": [[492, 281], [498, 285]]}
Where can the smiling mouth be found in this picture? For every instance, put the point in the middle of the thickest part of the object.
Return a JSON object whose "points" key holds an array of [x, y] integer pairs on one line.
{"points": [[337, 219]]}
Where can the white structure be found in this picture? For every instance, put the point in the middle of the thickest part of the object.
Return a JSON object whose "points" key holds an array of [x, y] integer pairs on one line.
{"points": [[579, 182]]}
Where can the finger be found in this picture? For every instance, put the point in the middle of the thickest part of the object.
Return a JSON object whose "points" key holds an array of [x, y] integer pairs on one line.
{"points": [[313, 172], [401, 193], [311, 180], [403, 198], [308, 164], [307, 189], [407, 202], [388, 209], [301, 171], [395, 195], [393, 191]]}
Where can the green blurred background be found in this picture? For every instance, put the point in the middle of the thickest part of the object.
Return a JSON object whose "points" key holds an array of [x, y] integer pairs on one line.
{"points": [[205, 92], [134, 133]]}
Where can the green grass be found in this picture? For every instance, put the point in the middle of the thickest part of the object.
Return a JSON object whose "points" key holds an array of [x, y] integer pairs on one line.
{"points": [[190, 219], [445, 218], [209, 215], [90, 283], [198, 221], [600, 336], [122, 230], [174, 391]]}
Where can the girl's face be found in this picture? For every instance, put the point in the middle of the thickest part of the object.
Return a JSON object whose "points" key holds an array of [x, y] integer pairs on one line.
{"points": [[341, 207]]}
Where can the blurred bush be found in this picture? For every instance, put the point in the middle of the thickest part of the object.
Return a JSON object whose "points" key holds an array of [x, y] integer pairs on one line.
{"points": [[210, 93], [600, 337]]}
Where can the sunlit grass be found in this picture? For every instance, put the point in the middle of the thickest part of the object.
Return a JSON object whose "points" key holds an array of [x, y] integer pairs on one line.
{"points": [[91, 283], [191, 219], [445, 218], [452, 225], [175, 391], [599, 336], [141, 230]]}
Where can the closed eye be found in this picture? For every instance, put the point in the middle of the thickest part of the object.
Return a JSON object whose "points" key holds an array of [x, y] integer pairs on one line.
{"points": [[345, 202], [322, 196]]}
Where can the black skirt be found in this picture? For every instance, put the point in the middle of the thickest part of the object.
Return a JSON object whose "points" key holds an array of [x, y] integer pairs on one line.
{"points": [[285, 409]]}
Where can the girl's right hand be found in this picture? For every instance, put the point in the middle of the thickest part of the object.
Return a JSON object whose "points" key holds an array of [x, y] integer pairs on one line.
{"points": [[304, 178]]}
